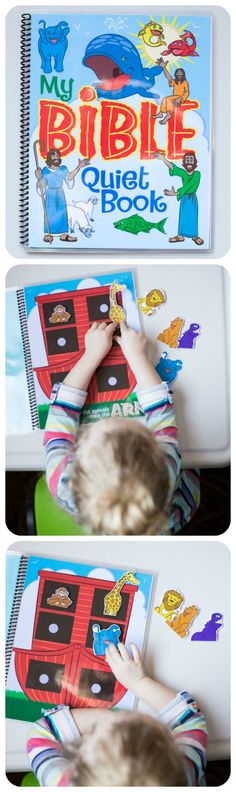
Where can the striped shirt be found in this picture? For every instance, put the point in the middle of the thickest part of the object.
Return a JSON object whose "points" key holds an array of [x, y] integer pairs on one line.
{"points": [[57, 728], [61, 432]]}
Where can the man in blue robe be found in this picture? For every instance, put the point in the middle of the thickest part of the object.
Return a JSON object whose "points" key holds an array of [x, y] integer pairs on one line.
{"points": [[50, 180]]}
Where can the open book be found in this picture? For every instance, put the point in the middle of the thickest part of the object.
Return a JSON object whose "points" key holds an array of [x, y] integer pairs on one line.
{"points": [[61, 616], [46, 327]]}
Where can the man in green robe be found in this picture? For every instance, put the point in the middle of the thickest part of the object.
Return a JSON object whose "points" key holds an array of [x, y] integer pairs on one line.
{"points": [[186, 195]]}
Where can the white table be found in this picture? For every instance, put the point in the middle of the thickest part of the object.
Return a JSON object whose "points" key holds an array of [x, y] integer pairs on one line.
{"points": [[198, 293]]}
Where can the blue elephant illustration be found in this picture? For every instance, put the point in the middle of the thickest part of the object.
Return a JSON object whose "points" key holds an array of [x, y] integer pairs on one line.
{"points": [[167, 368], [53, 44], [102, 638]]}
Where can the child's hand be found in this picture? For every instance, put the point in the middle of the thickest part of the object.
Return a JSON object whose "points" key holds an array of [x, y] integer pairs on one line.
{"points": [[128, 670], [134, 347], [98, 341], [133, 344]]}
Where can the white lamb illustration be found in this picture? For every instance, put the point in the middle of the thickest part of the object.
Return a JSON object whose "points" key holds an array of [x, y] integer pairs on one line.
{"points": [[81, 213]]}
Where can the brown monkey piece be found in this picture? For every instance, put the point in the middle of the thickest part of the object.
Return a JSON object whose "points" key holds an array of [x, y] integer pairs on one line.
{"points": [[59, 315], [60, 598]]}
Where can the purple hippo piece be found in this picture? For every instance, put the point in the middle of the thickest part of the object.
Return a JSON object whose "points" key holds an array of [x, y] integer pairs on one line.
{"points": [[187, 340], [209, 632], [167, 368]]}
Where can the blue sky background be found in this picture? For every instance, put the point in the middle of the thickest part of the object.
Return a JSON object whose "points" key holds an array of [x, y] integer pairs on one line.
{"points": [[36, 563], [83, 28], [70, 285]]}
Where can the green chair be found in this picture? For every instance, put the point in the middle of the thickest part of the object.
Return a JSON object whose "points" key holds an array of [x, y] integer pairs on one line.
{"points": [[45, 518], [30, 780]]}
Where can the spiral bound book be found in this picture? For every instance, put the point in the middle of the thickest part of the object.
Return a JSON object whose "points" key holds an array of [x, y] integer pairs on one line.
{"points": [[46, 328], [115, 131], [61, 616]]}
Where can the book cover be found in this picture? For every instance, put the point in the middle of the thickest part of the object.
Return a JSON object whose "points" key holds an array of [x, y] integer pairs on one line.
{"points": [[63, 616], [119, 138]]}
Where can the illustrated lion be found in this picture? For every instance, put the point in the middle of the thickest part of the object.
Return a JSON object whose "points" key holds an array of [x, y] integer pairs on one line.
{"points": [[153, 300], [171, 602]]}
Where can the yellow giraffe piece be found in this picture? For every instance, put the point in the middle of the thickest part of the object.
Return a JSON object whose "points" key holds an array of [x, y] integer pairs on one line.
{"points": [[113, 600], [116, 312]]}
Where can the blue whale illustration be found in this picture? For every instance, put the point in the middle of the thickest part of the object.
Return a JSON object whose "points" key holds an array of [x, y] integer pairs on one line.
{"points": [[118, 66]]}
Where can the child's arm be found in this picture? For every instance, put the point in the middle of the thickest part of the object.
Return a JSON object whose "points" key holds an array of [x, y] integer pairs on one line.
{"points": [[188, 726], [130, 672], [155, 399], [45, 746], [67, 401], [178, 711]]}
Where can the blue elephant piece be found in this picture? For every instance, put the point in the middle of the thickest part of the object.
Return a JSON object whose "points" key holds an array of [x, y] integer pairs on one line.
{"points": [[167, 368], [53, 44], [118, 66], [102, 638]]}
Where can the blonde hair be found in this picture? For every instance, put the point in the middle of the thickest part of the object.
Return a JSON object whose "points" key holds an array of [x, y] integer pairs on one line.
{"points": [[137, 751], [120, 482]]}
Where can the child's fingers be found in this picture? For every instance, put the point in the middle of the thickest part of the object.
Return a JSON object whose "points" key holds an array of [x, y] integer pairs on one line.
{"points": [[102, 326], [136, 653], [112, 654], [117, 339], [94, 326], [123, 327], [111, 327], [124, 653]]}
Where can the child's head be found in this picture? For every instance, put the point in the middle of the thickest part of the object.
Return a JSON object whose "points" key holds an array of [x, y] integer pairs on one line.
{"points": [[120, 480], [126, 749]]}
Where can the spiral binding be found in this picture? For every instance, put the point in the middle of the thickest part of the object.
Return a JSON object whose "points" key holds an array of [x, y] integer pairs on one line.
{"points": [[27, 358], [24, 128], [15, 610]]}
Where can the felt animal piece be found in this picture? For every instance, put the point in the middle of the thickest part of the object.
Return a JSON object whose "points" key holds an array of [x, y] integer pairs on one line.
{"points": [[167, 368], [171, 602], [113, 600], [118, 67], [135, 224], [187, 340], [210, 629], [52, 45], [102, 638], [152, 34], [80, 213], [59, 315], [154, 299], [181, 48], [171, 334], [60, 598], [182, 623], [116, 312]]}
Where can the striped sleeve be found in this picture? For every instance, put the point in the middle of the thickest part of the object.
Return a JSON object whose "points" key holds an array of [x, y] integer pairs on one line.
{"points": [[45, 747], [184, 719], [59, 439], [185, 501], [157, 404]]}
